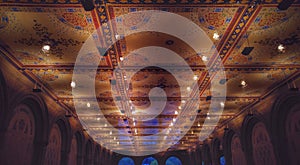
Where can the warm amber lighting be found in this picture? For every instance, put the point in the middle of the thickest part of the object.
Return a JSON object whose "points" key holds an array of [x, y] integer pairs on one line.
{"points": [[188, 88], [243, 84], [204, 58], [46, 48], [281, 48], [216, 36], [73, 84], [195, 77]]}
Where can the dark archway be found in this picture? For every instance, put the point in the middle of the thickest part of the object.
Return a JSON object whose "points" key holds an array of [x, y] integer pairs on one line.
{"points": [[256, 141], [97, 157], [217, 150], [126, 161], [150, 161], [80, 142], [283, 119], [88, 152], [59, 142], [206, 155], [173, 160], [227, 139], [3, 100], [39, 111]]}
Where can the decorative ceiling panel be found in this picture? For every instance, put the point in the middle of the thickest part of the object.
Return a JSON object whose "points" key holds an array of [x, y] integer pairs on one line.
{"points": [[65, 26], [270, 28], [24, 30], [59, 81], [258, 82], [210, 19]]}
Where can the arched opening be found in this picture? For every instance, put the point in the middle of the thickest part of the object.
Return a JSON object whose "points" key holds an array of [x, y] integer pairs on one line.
{"points": [[222, 160], [293, 135], [126, 161], [88, 152], [238, 156], [97, 155], [206, 155], [80, 141], [38, 113], [173, 160], [263, 153], [73, 152], [217, 150], [256, 140], [19, 137], [149, 161], [53, 151], [3, 98], [286, 128]]}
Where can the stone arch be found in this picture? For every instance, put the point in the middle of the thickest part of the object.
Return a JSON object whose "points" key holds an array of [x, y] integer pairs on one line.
{"points": [[284, 121], [3, 98], [199, 155], [19, 137], [206, 155], [59, 142], [36, 108], [227, 139], [54, 147], [97, 155], [238, 156], [217, 150], [73, 151], [232, 147], [88, 152], [256, 141], [80, 142]]}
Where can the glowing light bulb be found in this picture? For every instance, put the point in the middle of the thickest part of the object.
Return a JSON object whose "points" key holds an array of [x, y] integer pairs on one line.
{"points": [[222, 104], [195, 77], [176, 112], [46, 48], [88, 105], [281, 48], [216, 36], [204, 58], [188, 88], [73, 84], [117, 36], [243, 84]]}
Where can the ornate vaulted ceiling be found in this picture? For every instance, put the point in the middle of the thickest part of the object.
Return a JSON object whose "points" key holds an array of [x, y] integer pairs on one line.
{"points": [[25, 26]]}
